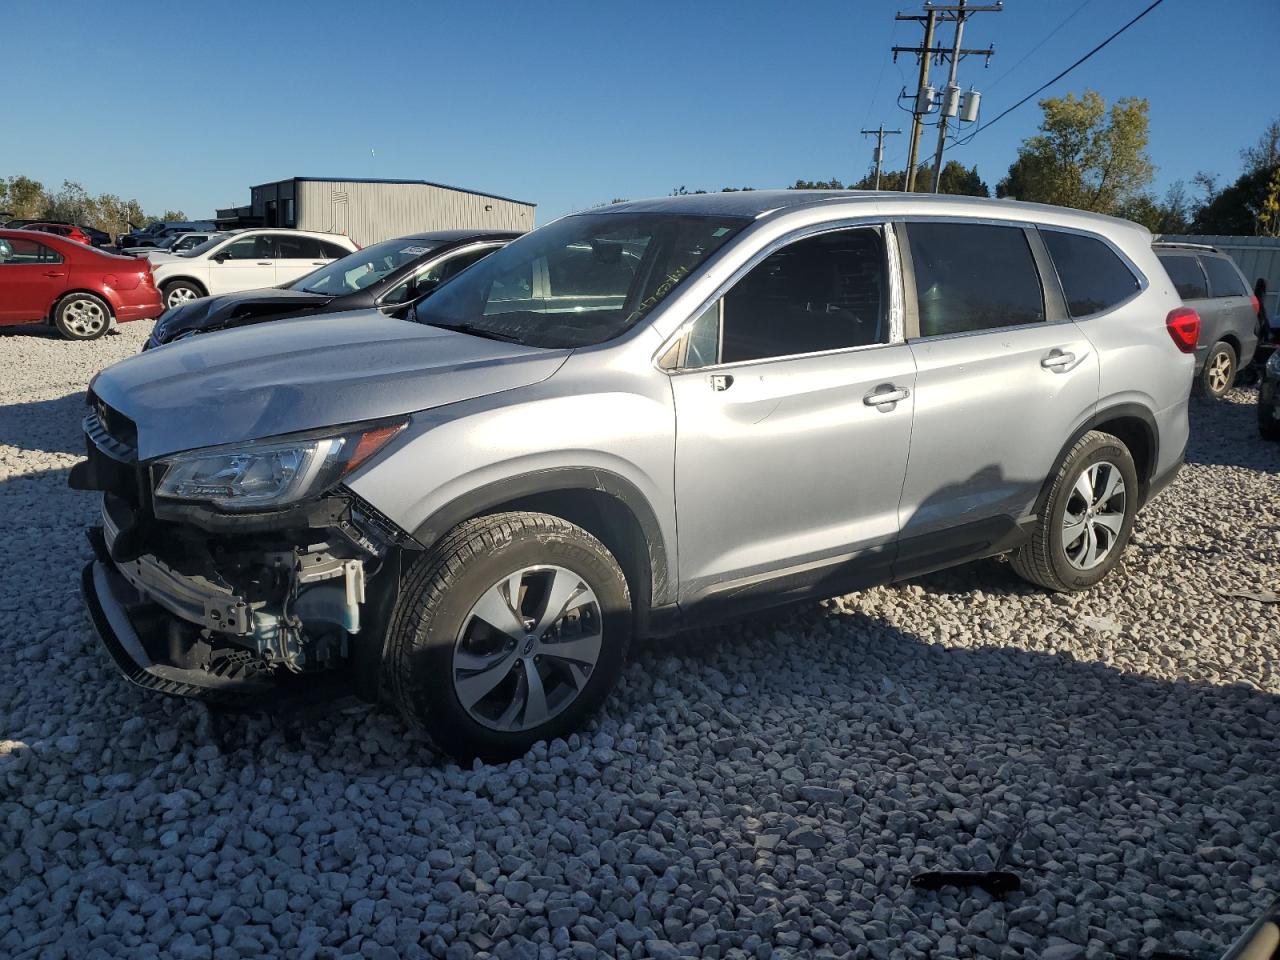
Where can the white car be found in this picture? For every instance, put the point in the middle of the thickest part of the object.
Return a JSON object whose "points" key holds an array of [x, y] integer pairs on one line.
{"points": [[246, 260]]}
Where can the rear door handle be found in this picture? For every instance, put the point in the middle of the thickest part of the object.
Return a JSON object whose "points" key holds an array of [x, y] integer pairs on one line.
{"points": [[53, 274], [1059, 361], [318, 263], [264, 263], [886, 395]]}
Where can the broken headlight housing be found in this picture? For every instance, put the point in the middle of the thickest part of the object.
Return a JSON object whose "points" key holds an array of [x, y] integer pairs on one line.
{"points": [[270, 474]]}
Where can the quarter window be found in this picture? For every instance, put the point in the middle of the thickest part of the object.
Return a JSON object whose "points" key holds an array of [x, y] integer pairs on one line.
{"points": [[973, 276], [827, 292], [1224, 281], [1188, 279], [1093, 278]]}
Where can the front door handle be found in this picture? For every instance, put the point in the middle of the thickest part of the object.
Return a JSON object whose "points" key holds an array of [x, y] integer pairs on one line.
{"points": [[264, 263], [53, 274], [886, 395], [1059, 361], [721, 381]]}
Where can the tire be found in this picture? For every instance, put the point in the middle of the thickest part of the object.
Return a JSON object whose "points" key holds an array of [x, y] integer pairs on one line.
{"points": [[82, 316], [178, 292], [471, 687], [1056, 560], [1219, 371]]}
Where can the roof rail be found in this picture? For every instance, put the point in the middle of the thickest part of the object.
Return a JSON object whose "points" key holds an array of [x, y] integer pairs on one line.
{"points": [[1179, 245]]}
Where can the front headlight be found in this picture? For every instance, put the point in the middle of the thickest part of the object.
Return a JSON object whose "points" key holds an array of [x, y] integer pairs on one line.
{"points": [[1273, 364], [270, 474]]}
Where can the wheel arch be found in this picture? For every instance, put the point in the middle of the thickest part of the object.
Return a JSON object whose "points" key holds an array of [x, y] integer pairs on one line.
{"points": [[167, 281], [57, 301], [1134, 425], [605, 504]]}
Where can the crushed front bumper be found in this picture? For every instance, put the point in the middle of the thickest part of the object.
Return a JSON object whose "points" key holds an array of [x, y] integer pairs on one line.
{"points": [[132, 629]]}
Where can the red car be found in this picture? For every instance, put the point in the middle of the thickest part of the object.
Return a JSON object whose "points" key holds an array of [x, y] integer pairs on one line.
{"points": [[62, 230], [45, 278]]}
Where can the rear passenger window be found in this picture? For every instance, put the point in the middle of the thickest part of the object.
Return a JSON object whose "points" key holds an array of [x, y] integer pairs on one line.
{"points": [[1188, 278], [826, 292], [1224, 281], [972, 276], [17, 252], [298, 248], [1093, 278]]}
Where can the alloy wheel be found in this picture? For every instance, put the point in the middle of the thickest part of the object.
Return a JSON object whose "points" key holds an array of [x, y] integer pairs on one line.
{"points": [[1094, 515], [1220, 372], [180, 295], [527, 648], [85, 318]]}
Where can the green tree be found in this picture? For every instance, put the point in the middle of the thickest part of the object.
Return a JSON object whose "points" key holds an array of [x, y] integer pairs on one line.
{"points": [[1085, 155], [1240, 209], [832, 184], [956, 179], [22, 197], [1264, 154]]}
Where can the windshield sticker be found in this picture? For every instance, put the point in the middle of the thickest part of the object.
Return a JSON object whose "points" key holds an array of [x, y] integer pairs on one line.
{"points": [[416, 250], [720, 232], [664, 288]]}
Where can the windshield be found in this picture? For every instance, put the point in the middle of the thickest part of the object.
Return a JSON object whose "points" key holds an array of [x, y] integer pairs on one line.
{"points": [[581, 280], [364, 267]]}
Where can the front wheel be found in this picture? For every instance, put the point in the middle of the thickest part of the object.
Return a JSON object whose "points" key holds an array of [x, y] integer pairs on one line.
{"points": [[511, 630], [82, 316], [179, 292], [1086, 519]]}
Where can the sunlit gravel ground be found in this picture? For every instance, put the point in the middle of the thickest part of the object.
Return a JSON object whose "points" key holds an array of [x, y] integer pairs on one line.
{"points": [[765, 789]]}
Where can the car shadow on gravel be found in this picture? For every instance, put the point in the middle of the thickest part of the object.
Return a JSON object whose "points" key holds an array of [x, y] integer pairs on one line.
{"points": [[49, 426], [1225, 433]]}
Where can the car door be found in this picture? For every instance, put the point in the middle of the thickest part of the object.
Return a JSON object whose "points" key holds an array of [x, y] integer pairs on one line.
{"points": [[297, 256], [32, 276], [1233, 302], [246, 263], [793, 395], [1003, 379]]}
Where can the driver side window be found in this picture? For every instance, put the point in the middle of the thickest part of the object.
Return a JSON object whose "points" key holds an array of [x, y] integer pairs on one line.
{"points": [[821, 293]]}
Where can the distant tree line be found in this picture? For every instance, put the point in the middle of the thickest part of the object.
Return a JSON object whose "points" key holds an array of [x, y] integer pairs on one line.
{"points": [[24, 198], [1094, 157]]}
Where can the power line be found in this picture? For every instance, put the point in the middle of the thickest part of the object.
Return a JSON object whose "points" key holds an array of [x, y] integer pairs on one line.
{"points": [[1050, 83], [1049, 36]]}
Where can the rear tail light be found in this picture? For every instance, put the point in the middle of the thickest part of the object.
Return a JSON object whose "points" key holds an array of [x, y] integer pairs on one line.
{"points": [[1256, 305], [1183, 325]]}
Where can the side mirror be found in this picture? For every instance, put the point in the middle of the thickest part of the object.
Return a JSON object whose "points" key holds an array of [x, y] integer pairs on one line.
{"points": [[219, 257]]}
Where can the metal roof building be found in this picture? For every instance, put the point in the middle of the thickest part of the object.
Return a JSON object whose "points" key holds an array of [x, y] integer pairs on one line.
{"points": [[371, 210]]}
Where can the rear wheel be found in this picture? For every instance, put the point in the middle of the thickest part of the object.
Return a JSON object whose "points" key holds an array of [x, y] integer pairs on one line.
{"points": [[178, 292], [1219, 371], [513, 629], [1087, 518], [82, 316]]}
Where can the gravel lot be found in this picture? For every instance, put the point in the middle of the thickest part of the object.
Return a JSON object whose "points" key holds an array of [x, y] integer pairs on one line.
{"points": [[765, 789]]}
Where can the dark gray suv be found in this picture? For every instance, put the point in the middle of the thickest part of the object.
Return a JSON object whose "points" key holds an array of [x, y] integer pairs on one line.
{"points": [[1211, 284]]}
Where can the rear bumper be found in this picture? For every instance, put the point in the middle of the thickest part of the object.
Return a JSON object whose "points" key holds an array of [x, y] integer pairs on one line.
{"points": [[145, 311]]}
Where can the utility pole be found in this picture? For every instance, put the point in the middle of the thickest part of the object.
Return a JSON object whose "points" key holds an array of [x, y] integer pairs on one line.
{"points": [[880, 133], [930, 20], [951, 96], [923, 101]]}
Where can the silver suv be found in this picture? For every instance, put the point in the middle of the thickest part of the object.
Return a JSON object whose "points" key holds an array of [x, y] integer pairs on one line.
{"points": [[631, 420]]}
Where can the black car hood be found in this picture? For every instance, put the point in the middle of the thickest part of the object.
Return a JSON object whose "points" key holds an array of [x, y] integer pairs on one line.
{"points": [[234, 309]]}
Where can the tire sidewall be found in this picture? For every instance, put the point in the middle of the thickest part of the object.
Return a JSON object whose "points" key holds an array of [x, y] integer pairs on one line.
{"points": [[1096, 450], [429, 667], [1218, 348], [64, 304]]}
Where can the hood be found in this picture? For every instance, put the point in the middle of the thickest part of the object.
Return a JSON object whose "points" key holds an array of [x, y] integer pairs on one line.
{"points": [[210, 313], [305, 374]]}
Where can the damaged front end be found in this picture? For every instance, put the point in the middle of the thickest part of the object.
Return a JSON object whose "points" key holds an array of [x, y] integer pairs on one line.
{"points": [[197, 595]]}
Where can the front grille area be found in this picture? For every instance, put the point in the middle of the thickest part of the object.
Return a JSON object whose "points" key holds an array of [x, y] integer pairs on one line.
{"points": [[111, 431]]}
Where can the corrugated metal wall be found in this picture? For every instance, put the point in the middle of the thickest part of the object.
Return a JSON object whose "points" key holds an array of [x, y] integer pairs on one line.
{"points": [[380, 211], [1255, 256]]}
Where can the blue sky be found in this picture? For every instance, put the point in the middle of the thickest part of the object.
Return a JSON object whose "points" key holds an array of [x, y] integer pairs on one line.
{"points": [[572, 103]]}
